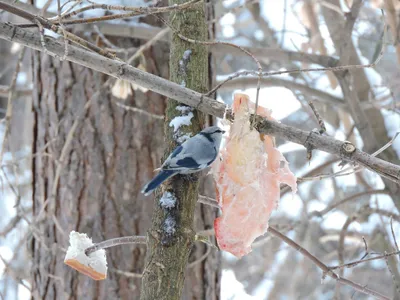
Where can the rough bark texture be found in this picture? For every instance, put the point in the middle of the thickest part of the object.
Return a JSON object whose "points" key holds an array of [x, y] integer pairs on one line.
{"points": [[203, 277], [112, 154], [108, 161], [168, 252]]}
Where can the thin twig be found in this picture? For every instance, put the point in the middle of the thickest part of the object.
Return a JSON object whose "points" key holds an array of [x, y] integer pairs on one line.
{"points": [[208, 201], [332, 69], [396, 286], [116, 242], [148, 44], [10, 102], [357, 262], [393, 235], [326, 270], [127, 274], [318, 116], [347, 199], [137, 10], [351, 169], [365, 247], [140, 111], [259, 67], [44, 23], [341, 242], [201, 258], [113, 47]]}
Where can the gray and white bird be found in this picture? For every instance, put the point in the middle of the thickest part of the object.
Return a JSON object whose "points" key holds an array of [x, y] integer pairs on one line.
{"points": [[194, 155]]}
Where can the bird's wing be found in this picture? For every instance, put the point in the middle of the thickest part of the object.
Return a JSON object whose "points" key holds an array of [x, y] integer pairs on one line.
{"points": [[196, 159]]}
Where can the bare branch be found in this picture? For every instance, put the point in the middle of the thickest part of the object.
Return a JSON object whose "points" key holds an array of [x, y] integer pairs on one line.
{"points": [[319, 95], [44, 23], [136, 10], [259, 67], [321, 122], [208, 201], [10, 102], [326, 270], [127, 274], [116, 242], [271, 73], [350, 198], [205, 104], [393, 235], [357, 262]]}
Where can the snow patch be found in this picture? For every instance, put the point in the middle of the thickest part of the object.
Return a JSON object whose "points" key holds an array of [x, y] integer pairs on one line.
{"points": [[168, 200], [180, 121], [169, 225]]}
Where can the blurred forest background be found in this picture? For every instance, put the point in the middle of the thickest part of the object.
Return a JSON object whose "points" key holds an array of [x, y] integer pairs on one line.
{"points": [[117, 143]]}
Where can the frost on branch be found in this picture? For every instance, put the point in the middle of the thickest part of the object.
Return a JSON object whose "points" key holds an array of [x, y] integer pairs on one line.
{"points": [[248, 181], [93, 265]]}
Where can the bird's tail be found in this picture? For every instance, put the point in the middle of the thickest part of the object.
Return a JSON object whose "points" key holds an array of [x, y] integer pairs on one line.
{"points": [[156, 181]]}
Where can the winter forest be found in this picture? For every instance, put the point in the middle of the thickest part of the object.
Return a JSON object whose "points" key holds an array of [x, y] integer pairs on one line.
{"points": [[270, 127]]}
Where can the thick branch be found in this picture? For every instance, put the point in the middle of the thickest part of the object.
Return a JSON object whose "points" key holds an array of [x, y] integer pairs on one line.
{"points": [[205, 104]]}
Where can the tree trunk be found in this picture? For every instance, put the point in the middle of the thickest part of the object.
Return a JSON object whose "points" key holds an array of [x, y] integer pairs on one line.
{"points": [[169, 249], [111, 154], [92, 157]]}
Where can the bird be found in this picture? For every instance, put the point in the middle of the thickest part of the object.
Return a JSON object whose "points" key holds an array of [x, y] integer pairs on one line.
{"points": [[194, 155]]}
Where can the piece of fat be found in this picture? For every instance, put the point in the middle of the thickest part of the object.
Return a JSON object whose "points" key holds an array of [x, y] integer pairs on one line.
{"points": [[248, 179]]}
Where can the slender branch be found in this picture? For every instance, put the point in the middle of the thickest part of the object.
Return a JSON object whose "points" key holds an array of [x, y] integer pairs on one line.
{"points": [[318, 95], [393, 235], [326, 270], [10, 103], [40, 21], [342, 237], [127, 274], [389, 214], [189, 40], [357, 262], [347, 199], [207, 105], [294, 71], [116, 242], [134, 11], [208, 201], [148, 44], [137, 10]]}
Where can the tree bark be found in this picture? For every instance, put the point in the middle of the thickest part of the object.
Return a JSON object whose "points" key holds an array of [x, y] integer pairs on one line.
{"points": [[107, 161], [169, 250], [111, 154]]}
